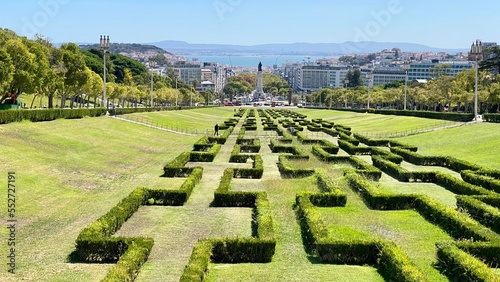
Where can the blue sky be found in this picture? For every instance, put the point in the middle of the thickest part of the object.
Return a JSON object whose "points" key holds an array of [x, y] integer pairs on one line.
{"points": [[444, 24]]}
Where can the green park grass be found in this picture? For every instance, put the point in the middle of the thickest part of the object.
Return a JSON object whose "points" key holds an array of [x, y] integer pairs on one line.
{"points": [[70, 172], [199, 120], [375, 124]]}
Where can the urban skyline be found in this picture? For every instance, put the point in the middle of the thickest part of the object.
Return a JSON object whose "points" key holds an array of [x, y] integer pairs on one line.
{"points": [[441, 24]]}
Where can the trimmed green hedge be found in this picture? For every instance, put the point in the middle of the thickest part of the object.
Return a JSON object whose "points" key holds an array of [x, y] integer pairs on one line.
{"points": [[394, 143], [482, 179], [353, 149], [448, 162], [348, 138], [397, 159], [371, 142], [288, 171], [252, 173], [8, 116], [330, 131], [491, 117], [481, 211], [175, 197], [196, 156], [463, 117], [176, 167], [391, 261], [458, 225], [458, 265]]}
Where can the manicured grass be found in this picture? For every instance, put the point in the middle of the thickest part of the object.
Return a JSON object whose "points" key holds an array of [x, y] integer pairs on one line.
{"points": [[201, 119], [477, 143], [70, 172], [374, 123], [397, 226], [290, 263]]}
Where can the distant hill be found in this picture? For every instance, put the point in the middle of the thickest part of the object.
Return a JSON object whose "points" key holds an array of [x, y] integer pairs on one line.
{"points": [[331, 49], [117, 48]]}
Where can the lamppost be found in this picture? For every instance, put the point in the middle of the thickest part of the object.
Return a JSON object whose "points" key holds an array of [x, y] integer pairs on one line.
{"points": [[176, 93], [320, 92], [475, 86], [406, 67], [331, 94], [346, 82], [369, 77], [151, 66], [104, 44]]}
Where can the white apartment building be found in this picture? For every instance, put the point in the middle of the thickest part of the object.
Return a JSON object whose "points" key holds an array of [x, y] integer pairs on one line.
{"points": [[427, 70], [323, 76], [188, 72]]}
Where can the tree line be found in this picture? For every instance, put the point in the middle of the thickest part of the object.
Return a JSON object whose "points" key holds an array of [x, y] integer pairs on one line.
{"points": [[70, 77], [441, 93]]}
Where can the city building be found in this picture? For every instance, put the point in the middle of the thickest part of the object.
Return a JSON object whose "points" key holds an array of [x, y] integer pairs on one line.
{"points": [[321, 76], [430, 70], [188, 72]]}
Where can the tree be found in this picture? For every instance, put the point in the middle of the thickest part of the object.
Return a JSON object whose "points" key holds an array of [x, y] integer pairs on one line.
{"points": [[6, 71], [24, 66], [492, 60], [354, 77], [75, 74]]}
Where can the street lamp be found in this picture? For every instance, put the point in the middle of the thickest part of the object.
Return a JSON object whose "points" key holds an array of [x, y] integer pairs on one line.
{"points": [[406, 67], [369, 77], [176, 93], [320, 93], [104, 44], [151, 66], [475, 86], [346, 82], [331, 86]]}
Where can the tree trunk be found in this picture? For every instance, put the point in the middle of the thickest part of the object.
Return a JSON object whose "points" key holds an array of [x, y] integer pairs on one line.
{"points": [[51, 100], [33, 101]]}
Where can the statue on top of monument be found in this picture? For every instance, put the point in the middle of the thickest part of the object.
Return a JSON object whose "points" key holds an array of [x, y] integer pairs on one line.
{"points": [[260, 66]]}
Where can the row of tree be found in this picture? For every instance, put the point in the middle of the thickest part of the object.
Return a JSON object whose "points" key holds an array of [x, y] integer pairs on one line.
{"points": [[245, 83], [74, 76], [443, 93]]}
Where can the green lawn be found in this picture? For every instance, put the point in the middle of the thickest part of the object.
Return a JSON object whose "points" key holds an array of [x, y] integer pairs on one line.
{"points": [[199, 120], [70, 172], [477, 143], [373, 124]]}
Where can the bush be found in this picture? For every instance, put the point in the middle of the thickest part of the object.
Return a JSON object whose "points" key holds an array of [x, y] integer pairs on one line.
{"points": [[477, 178], [176, 167], [288, 171], [8, 116], [458, 265], [397, 159], [353, 149], [376, 199], [491, 117], [348, 138], [448, 162], [255, 172], [371, 142], [205, 156], [458, 225], [479, 210], [330, 131]]}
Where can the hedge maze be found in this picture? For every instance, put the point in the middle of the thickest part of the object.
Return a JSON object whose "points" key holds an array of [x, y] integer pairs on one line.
{"points": [[346, 170]]}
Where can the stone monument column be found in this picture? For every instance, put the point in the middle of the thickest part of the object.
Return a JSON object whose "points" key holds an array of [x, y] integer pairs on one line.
{"points": [[259, 90]]}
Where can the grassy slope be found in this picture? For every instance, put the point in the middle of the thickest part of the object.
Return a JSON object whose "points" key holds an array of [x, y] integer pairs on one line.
{"points": [[373, 123], [198, 119], [72, 171], [476, 143], [69, 172]]}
